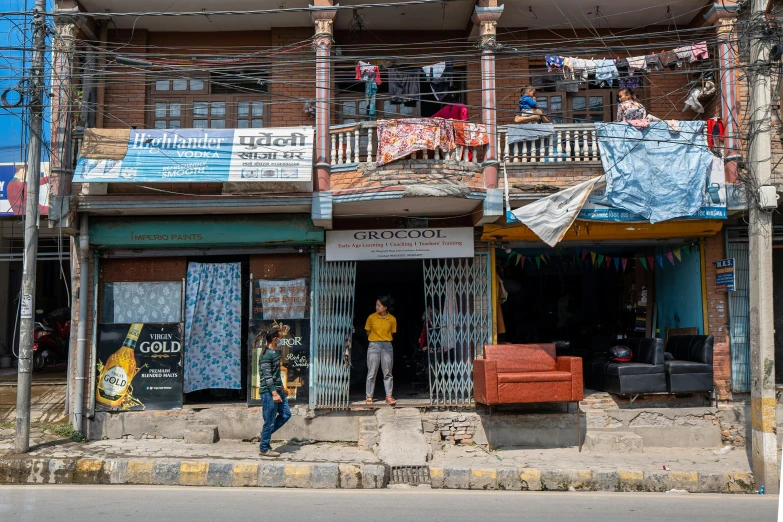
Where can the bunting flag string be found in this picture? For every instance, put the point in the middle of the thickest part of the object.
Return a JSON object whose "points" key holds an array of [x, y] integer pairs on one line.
{"points": [[577, 257]]}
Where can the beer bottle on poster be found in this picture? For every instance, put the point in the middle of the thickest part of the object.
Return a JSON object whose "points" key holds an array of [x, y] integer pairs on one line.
{"points": [[119, 370]]}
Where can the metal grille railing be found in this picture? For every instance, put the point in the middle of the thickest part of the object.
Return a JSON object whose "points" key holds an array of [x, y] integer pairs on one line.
{"points": [[456, 293], [739, 313], [332, 321]]}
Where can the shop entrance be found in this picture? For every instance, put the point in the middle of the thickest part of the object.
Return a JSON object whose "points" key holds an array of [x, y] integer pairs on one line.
{"points": [[443, 312], [404, 282]]}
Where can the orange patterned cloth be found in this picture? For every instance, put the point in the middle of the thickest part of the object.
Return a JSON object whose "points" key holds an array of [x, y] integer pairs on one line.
{"points": [[470, 134], [398, 138]]}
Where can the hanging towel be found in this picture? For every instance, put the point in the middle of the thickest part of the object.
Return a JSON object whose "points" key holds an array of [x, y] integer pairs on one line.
{"points": [[398, 138], [605, 70], [637, 63], [529, 132], [699, 51], [404, 86], [368, 73], [470, 134], [213, 327]]}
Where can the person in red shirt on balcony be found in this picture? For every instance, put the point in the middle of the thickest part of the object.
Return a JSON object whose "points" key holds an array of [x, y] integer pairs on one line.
{"points": [[453, 110]]}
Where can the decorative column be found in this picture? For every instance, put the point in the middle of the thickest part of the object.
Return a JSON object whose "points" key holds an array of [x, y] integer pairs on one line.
{"points": [[723, 16], [61, 160], [486, 16], [323, 18]]}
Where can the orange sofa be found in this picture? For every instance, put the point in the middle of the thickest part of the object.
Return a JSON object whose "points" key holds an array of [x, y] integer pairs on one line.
{"points": [[526, 373]]}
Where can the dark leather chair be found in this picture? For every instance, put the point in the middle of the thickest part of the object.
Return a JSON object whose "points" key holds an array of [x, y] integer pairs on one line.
{"points": [[645, 373], [690, 370]]}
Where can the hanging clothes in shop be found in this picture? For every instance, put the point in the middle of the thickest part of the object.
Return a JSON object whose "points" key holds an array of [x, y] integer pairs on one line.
{"points": [[399, 138], [213, 327], [371, 76], [440, 77], [715, 131], [404, 87]]}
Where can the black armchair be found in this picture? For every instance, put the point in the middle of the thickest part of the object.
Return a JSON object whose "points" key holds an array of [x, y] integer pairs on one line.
{"points": [[645, 373], [690, 370]]}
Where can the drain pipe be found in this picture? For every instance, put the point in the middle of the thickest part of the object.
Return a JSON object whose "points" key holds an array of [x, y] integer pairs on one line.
{"points": [[94, 336], [81, 336]]}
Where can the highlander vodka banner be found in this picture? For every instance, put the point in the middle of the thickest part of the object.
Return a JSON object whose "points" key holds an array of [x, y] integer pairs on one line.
{"points": [[207, 155]]}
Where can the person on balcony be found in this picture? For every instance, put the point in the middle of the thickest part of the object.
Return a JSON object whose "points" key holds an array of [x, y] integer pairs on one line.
{"points": [[630, 108], [528, 111], [453, 110]]}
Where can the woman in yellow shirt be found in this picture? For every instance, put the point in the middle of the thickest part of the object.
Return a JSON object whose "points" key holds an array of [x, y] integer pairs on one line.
{"points": [[380, 327]]}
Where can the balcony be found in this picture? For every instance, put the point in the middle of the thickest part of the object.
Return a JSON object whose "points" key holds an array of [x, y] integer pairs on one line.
{"points": [[356, 144]]}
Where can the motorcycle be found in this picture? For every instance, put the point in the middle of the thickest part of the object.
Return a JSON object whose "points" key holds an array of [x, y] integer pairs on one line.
{"points": [[50, 338]]}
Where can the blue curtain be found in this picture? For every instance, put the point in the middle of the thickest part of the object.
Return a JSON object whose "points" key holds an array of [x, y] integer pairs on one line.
{"points": [[213, 326]]}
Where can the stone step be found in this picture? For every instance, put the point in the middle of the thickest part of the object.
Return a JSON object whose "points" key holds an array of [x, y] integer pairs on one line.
{"points": [[402, 441], [613, 442], [202, 434]]}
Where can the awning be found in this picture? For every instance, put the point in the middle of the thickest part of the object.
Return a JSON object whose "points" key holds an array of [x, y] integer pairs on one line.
{"points": [[601, 231]]}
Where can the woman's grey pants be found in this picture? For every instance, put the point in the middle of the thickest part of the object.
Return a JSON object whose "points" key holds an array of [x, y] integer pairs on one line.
{"points": [[379, 353]]}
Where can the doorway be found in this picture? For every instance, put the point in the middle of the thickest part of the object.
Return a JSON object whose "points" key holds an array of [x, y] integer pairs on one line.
{"points": [[404, 281]]}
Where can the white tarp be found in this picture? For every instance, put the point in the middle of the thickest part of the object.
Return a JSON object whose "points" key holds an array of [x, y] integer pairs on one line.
{"points": [[551, 217]]}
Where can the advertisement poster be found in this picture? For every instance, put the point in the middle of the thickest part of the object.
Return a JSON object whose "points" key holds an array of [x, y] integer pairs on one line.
{"points": [[13, 196], [139, 367], [280, 299], [724, 274], [294, 358], [201, 155], [399, 243]]}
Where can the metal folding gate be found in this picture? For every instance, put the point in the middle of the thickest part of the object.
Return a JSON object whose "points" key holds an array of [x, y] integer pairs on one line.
{"points": [[739, 314], [332, 327], [458, 303]]}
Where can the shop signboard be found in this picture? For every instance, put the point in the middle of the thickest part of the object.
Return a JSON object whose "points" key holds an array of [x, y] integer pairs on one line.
{"points": [[280, 299], [724, 275], [294, 358], [201, 155], [400, 243], [139, 367]]}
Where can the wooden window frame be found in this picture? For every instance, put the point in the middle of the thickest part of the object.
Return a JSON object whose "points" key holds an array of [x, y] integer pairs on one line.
{"points": [[567, 97]]}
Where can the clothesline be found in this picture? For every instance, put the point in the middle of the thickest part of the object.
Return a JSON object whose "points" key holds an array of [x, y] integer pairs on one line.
{"points": [[606, 69]]}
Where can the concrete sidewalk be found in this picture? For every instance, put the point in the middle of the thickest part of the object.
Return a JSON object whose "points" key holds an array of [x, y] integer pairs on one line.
{"points": [[343, 465]]}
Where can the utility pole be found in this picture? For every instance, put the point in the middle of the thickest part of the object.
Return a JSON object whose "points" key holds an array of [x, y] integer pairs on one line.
{"points": [[26, 331], [762, 343]]}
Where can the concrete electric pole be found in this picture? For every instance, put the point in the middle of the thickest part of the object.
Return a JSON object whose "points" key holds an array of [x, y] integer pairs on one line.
{"points": [[26, 331], [762, 343]]}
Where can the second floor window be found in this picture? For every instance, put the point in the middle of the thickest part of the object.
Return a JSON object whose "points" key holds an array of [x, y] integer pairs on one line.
{"points": [[203, 102]]}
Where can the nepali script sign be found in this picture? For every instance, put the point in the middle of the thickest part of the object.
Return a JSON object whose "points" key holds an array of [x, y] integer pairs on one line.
{"points": [[205, 155], [401, 243]]}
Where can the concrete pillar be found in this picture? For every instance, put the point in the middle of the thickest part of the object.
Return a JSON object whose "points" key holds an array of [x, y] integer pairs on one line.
{"points": [[5, 298], [486, 15], [762, 339], [323, 18]]}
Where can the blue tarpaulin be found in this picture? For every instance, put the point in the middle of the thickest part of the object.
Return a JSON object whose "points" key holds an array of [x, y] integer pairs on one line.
{"points": [[654, 172]]}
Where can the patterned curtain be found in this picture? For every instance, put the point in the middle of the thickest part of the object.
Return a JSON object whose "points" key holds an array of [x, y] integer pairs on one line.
{"points": [[213, 326], [142, 302]]}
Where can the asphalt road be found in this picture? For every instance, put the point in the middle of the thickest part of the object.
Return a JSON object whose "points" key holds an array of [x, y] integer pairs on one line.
{"points": [[175, 504]]}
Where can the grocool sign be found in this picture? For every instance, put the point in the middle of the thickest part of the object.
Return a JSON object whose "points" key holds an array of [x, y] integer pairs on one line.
{"points": [[399, 234], [410, 243]]}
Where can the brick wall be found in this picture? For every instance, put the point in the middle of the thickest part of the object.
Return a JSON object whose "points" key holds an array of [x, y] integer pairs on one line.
{"points": [[411, 172], [550, 179], [718, 315], [292, 76], [125, 86]]}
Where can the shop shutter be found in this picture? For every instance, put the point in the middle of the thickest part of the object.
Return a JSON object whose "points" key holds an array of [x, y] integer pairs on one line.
{"points": [[332, 327], [739, 313], [456, 293]]}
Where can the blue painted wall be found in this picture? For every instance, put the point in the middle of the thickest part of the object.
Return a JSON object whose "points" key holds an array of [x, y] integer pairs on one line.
{"points": [[678, 293]]}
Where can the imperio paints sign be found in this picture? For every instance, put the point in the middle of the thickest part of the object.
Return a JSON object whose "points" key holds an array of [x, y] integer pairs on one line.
{"points": [[401, 243]]}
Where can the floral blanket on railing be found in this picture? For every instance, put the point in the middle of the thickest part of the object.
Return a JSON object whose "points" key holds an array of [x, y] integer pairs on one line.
{"points": [[399, 138]]}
